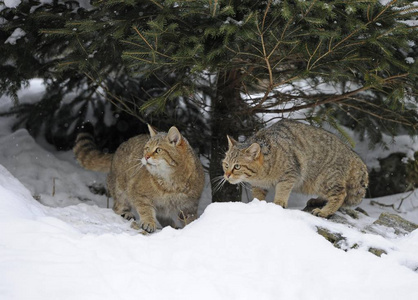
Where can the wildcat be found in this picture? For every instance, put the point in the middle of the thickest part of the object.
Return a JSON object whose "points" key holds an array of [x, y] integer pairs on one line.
{"points": [[159, 175], [291, 155]]}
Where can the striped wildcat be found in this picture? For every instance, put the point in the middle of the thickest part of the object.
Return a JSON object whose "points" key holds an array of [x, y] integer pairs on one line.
{"points": [[292, 156], [158, 174]]}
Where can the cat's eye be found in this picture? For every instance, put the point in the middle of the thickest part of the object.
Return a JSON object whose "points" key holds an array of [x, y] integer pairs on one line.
{"points": [[226, 165], [237, 167], [158, 150]]}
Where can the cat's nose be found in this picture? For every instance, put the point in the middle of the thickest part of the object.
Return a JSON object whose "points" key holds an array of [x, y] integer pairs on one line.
{"points": [[147, 157], [228, 174]]}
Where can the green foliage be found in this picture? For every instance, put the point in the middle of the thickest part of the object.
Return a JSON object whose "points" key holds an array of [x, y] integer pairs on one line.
{"points": [[357, 57], [77, 49]]}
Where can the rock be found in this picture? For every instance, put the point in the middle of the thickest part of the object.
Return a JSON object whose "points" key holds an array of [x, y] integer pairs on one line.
{"points": [[393, 224], [337, 218], [359, 209], [348, 211], [340, 241], [377, 252], [333, 237], [399, 224]]}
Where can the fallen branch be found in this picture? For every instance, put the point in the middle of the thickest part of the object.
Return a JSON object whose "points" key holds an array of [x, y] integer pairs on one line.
{"points": [[402, 199], [384, 205]]}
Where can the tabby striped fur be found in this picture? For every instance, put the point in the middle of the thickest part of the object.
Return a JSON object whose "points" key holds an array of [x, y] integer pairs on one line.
{"points": [[158, 175], [293, 156], [89, 156]]}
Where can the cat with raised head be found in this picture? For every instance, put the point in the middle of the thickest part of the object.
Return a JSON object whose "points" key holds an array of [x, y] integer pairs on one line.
{"points": [[292, 156], [159, 175]]}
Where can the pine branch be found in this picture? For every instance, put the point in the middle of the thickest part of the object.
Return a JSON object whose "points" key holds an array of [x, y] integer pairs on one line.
{"points": [[332, 99], [115, 100]]}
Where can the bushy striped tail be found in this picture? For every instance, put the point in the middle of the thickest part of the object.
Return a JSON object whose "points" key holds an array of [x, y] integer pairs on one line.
{"points": [[87, 153]]}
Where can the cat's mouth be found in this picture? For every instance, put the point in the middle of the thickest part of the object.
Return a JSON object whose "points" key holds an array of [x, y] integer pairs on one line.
{"points": [[148, 162]]}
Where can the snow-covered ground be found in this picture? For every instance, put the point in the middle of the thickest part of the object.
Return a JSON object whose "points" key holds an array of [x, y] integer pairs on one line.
{"points": [[66, 243]]}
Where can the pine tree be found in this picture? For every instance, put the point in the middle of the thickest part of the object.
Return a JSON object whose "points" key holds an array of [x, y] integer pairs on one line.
{"points": [[75, 48], [342, 62], [231, 64]]}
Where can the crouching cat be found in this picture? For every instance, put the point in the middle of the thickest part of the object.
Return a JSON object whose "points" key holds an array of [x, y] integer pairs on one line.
{"points": [[158, 175], [293, 156]]}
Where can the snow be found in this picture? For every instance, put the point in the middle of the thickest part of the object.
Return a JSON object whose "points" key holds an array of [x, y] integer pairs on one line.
{"points": [[69, 245], [12, 3], [402, 143], [18, 33], [234, 251], [409, 60]]}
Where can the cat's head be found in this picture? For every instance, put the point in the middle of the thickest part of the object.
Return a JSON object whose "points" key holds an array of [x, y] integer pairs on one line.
{"points": [[164, 151], [242, 163]]}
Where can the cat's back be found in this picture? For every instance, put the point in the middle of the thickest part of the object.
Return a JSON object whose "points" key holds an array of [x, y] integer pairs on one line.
{"points": [[292, 130], [289, 134], [129, 152], [134, 144]]}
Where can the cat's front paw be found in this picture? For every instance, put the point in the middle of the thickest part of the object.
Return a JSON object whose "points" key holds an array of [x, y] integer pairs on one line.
{"points": [[319, 213], [281, 203], [148, 226]]}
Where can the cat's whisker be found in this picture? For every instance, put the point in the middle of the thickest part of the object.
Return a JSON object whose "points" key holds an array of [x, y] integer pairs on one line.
{"points": [[220, 186], [218, 183], [245, 185], [140, 164], [137, 170], [135, 166], [138, 167], [217, 186], [217, 179]]}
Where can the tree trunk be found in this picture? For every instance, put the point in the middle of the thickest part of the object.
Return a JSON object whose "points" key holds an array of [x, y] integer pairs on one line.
{"points": [[225, 121]]}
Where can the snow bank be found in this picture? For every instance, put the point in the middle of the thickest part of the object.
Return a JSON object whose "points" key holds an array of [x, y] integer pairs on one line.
{"points": [[55, 180], [15, 199], [234, 251]]}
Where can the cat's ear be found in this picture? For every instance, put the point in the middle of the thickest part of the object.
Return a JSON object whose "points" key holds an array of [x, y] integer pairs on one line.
{"points": [[174, 136], [152, 131], [253, 151], [231, 142]]}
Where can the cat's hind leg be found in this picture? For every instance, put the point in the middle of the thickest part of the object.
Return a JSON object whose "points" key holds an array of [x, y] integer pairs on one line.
{"points": [[122, 207], [186, 213], [335, 196]]}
